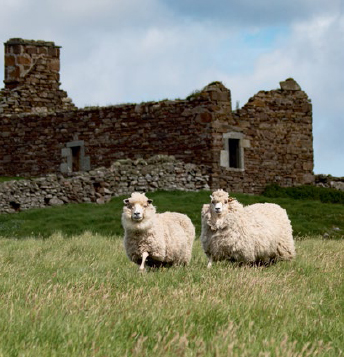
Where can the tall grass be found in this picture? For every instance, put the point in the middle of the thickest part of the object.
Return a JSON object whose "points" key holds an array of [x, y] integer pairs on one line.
{"points": [[67, 288], [81, 296]]}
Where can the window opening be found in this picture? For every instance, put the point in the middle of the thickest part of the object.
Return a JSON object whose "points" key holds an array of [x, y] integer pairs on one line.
{"points": [[234, 153], [76, 158]]}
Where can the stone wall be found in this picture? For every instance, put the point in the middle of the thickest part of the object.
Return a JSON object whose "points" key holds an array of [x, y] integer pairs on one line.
{"points": [[41, 131], [329, 181], [276, 127], [277, 141], [33, 145], [32, 78], [99, 185]]}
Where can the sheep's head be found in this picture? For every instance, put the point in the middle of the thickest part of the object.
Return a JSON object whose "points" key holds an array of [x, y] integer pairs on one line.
{"points": [[220, 202], [138, 207]]}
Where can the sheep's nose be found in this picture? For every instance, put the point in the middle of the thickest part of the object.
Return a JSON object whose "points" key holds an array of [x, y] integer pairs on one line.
{"points": [[137, 214]]}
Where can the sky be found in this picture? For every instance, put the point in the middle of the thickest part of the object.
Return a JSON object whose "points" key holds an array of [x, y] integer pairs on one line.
{"points": [[132, 51]]}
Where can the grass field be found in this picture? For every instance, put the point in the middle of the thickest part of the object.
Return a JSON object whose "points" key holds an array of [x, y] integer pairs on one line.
{"points": [[80, 296], [75, 293], [308, 217]]}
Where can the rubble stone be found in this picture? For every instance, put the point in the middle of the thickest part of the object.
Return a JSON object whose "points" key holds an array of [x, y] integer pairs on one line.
{"points": [[101, 185]]}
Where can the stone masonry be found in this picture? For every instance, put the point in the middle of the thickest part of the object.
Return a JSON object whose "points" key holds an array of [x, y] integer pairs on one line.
{"points": [[268, 140], [277, 140], [32, 75], [99, 185]]}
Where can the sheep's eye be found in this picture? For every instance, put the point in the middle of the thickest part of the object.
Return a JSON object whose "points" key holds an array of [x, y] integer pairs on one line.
{"points": [[213, 202], [226, 202]]}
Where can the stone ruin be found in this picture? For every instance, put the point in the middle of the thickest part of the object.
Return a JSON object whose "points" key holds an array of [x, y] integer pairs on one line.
{"points": [[268, 140], [32, 78]]}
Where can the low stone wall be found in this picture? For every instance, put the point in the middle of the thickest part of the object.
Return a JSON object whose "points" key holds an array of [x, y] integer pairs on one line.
{"points": [[329, 181], [99, 185]]}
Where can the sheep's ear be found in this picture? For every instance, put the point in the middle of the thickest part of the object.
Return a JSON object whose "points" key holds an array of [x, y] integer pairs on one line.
{"points": [[211, 197], [150, 202], [126, 201]]}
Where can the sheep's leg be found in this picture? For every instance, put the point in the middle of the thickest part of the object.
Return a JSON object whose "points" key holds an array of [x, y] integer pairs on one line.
{"points": [[144, 257], [210, 262]]}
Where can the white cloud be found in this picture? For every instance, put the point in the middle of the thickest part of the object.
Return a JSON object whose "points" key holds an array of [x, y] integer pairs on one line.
{"points": [[156, 63], [313, 57]]}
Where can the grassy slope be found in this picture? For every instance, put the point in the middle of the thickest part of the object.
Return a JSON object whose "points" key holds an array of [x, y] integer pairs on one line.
{"points": [[80, 296], [308, 217], [76, 293]]}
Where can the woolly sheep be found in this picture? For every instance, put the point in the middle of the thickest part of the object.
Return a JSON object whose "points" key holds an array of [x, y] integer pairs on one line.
{"points": [[155, 239], [257, 233]]}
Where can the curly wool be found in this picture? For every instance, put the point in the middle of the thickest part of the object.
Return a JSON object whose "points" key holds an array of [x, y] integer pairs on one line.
{"points": [[167, 237], [220, 195], [255, 233]]}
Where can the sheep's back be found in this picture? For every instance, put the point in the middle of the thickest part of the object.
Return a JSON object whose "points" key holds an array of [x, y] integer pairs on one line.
{"points": [[179, 235], [267, 216], [269, 210], [271, 230]]}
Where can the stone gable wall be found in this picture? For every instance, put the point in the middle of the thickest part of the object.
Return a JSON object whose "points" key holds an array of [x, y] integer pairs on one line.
{"points": [[277, 128]]}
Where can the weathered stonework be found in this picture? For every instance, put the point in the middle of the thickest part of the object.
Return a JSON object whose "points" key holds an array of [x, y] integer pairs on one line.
{"points": [[329, 181], [32, 75], [268, 140], [278, 146], [99, 185]]}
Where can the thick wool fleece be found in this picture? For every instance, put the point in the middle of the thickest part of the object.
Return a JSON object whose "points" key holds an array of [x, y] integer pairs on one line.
{"points": [[167, 237], [256, 233]]}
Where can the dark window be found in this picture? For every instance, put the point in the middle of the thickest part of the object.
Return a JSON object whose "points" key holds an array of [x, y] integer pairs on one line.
{"points": [[76, 158], [234, 153]]}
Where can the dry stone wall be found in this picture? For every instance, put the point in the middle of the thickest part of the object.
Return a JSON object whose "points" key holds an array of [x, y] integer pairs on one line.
{"points": [[99, 185], [329, 181]]}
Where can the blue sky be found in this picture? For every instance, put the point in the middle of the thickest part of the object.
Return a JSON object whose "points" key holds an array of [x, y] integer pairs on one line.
{"points": [[120, 51]]}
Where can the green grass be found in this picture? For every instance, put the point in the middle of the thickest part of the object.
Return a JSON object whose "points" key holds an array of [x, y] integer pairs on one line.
{"points": [[308, 217], [68, 289], [81, 296], [306, 192]]}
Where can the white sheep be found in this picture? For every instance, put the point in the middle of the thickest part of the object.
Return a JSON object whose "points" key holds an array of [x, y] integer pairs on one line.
{"points": [[256, 233], [155, 239]]}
